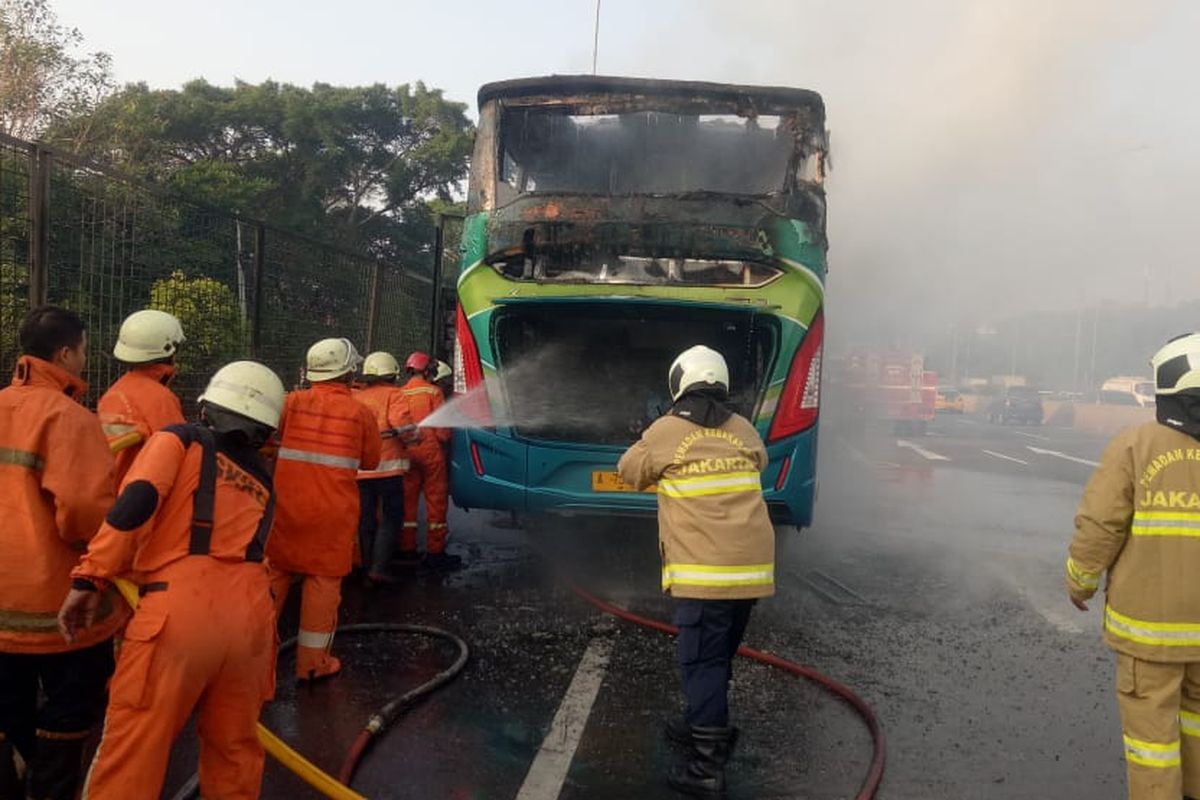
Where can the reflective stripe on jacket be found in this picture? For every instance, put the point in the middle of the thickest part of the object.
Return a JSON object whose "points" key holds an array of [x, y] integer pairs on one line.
{"points": [[424, 398], [326, 436], [390, 407], [55, 486], [1139, 521], [714, 531], [137, 405]]}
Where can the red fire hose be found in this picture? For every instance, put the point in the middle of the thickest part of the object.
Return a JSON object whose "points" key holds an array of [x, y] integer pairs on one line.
{"points": [[870, 784]]}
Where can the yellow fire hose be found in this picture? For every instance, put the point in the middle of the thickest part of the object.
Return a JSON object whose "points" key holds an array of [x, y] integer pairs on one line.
{"points": [[304, 769]]}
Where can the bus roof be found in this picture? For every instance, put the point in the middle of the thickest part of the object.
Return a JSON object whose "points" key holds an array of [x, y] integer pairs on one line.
{"points": [[591, 90]]}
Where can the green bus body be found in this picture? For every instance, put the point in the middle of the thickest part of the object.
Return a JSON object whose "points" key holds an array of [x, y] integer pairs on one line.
{"points": [[581, 278]]}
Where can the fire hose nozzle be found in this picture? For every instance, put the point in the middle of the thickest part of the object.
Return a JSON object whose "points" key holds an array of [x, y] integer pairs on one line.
{"points": [[408, 433]]}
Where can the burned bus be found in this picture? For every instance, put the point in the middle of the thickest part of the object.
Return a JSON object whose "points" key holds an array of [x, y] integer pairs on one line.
{"points": [[613, 223]]}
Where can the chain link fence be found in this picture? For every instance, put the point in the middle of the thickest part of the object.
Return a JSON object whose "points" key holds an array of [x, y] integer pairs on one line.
{"points": [[15, 165], [85, 237]]}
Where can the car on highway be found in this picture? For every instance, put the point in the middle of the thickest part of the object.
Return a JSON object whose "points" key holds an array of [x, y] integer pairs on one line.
{"points": [[1019, 404], [950, 401], [1125, 391]]}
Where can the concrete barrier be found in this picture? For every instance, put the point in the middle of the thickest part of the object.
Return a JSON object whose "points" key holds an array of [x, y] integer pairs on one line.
{"points": [[1059, 413], [975, 404], [1103, 420]]}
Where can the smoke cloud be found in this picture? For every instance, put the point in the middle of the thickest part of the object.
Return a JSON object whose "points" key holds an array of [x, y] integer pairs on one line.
{"points": [[989, 158]]}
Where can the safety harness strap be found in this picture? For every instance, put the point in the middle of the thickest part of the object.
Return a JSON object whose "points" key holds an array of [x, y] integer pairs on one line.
{"points": [[258, 545], [204, 501], [205, 497]]}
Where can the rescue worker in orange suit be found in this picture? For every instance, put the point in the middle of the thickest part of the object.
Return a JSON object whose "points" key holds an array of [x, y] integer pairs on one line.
{"points": [[443, 377], [141, 401], [191, 522], [381, 490], [427, 473], [55, 486], [325, 437], [1139, 522], [718, 548]]}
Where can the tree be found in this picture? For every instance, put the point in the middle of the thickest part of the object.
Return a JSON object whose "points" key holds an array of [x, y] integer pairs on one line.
{"points": [[214, 324], [358, 165], [42, 79]]}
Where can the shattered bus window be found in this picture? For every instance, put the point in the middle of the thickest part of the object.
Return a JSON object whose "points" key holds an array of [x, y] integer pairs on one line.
{"points": [[549, 150], [588, 266]]}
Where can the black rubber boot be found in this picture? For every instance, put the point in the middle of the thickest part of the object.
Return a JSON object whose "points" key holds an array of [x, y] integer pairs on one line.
{"points": [[11, 787], [704, 773], [679, 732], [54, 771]]}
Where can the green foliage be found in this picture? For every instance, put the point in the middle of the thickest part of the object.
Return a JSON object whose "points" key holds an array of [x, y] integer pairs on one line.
{"points": [[356, 165], [215, 325], [42, 79]]}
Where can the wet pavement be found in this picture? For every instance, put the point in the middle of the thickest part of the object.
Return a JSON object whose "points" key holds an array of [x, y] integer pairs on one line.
{"points": [[930, 583]]}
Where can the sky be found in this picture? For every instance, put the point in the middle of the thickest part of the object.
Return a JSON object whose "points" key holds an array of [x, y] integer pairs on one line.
{"points": [[990, 157]]}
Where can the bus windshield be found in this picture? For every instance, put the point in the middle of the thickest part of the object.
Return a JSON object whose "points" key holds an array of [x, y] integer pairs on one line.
{"points": [[645, 152]]}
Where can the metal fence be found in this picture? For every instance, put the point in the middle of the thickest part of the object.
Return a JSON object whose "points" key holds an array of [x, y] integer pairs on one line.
{"points": [[85, 237]]}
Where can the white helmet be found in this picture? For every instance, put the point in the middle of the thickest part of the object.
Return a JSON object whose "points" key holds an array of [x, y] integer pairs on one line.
{"points": [[148, 335], [331, 358], [695, 365], [1177, 365], [249, 389], [443, 371], [381, 364]]}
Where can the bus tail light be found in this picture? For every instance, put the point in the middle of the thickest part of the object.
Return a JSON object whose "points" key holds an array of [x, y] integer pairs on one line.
{"points": [[468, 372], [800, 402]]}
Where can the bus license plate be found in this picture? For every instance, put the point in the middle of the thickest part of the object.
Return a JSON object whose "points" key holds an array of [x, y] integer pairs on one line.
{"points": [[611, 482]]}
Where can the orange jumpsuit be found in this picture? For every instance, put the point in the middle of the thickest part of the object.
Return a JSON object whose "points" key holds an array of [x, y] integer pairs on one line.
{"points": [[55, 487], [139, 403], [427, 472], [384, 485], [325, 437], [203, 635]]}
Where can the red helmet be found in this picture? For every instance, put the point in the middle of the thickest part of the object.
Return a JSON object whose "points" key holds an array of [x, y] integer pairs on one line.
{"points": [[418, 362]]}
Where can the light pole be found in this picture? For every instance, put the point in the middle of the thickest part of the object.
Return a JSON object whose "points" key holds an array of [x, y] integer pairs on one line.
{"points": [[596, 38], [1079, 335], [1095, 330]]}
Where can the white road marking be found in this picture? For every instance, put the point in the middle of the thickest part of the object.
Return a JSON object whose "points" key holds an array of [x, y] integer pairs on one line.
{"points": [[1057, 610], [1006, 458], [1037, 436], [964, 421], [855, 453], [1064, 456], [548, 773], [862, 457], [921, 451]]}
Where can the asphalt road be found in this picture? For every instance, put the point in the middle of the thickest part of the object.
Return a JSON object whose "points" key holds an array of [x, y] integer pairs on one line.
{"points": [[930, 582]]}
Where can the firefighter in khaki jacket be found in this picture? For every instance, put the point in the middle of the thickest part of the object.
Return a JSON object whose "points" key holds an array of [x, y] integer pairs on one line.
{"points": [[55, 487], [192, 523], [325, 437], [717, 543], [1139, 521], [141, 401], [382, 489]]}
